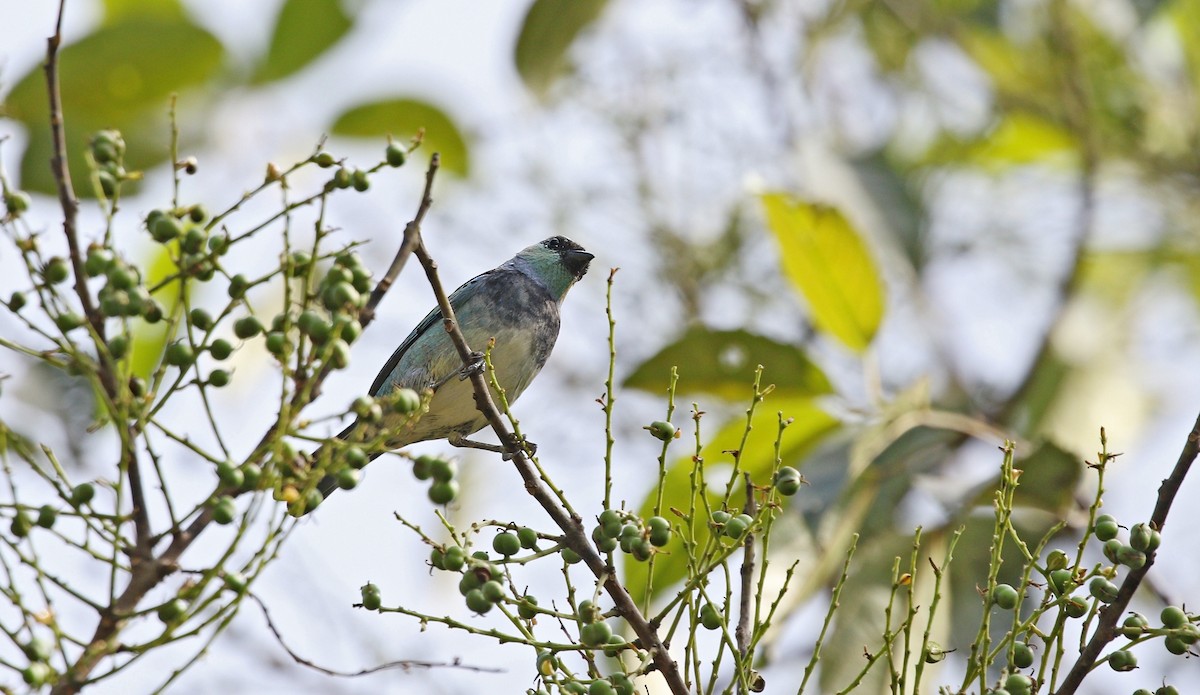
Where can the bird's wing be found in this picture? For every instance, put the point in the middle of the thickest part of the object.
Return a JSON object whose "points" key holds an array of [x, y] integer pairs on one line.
{"points": [[457, 298]]}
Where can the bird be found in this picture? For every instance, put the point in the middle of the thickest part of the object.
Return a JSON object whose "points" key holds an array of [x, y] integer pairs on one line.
{"points": [[517, 304]]}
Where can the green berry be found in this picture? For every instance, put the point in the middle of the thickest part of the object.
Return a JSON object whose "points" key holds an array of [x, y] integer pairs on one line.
{"points": [[1018, 684], [348, 478], [358, 178], [547, 664], [664, 431], [235, 582], [1005, 596], [423, 467], [443, 492], [230, 475], [164, 228], [371, 597], [506, 544], [201, 319], [355, 457], [1056, 560], [81, 494], [1062, 581], [1112, 549], [172, 610], [599, 687], [277, 343], [570, 556], [527, 607], [47, 515], [453, 559], [710, 617], [220, 349], [1076, 607], [324, 160], [251, 475], [247, 327], [16, 202], [341, 178], [1122, 661], [721, 517], [395, 155], [1139, 537], [1022, 655], [736, 527], [1173, 617], [493, 591], [1133, 559], [528, 538], [56, 270], [788, 481], [477, 602], [339, 354], [21, 524], [1134, 626], [16, 302], [180, 355], [1103, 589], [298, 263], [68, 322], [613, 647], [1105, 528], [443, 470], [595, 634], [118, 346], [405, 401], [225, 510]]}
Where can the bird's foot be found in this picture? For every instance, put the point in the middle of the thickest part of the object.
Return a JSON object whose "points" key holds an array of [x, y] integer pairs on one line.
{"points": [[475, 366], [507, 450]]}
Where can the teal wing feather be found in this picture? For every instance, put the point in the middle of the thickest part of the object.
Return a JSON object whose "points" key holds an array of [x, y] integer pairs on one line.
{"points": [[458, 298]]}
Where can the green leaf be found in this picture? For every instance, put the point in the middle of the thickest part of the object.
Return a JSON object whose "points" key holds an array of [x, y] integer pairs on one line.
{"points": [[723, 363], [547, 32], [402, 118], [1049, 479], [303, 31], [757, 459], [1022, 138], [149, 340], [118, 77], [828, 261], [118, 10]]}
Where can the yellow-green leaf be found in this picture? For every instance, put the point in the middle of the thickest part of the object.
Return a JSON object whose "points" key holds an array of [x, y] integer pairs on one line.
{"points": [[402, 118], [549, 29], [304, 30], [829, 263], [150, 339], [117, 10], [723, 363], [120, 76], [757, 459]]}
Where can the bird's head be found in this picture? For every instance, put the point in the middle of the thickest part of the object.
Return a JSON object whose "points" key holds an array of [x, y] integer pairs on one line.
{"points": [[557, 263]]}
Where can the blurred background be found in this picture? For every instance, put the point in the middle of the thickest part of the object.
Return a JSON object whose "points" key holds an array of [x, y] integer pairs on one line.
{"points": [[1022, 174]]}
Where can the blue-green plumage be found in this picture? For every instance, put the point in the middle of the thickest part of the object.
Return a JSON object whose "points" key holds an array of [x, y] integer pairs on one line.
{"points": [[517, 304]]}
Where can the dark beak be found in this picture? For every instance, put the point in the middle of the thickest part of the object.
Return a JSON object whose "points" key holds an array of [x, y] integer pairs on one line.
{"points": [[577, 261]]}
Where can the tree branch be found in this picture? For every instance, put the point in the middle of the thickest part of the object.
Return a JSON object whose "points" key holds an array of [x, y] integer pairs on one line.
{"points": [[1106, 629]]}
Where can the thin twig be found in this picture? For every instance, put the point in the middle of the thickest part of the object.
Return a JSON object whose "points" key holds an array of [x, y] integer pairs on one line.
{"points": [[742, 632], [1106, 629], [403, 664]]}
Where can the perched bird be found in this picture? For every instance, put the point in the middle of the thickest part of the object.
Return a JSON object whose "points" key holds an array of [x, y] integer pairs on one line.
{"points": [[517, 304]]}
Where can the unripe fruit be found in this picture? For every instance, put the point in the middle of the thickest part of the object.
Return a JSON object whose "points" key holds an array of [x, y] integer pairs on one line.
{"points": [[371, 598], [443, 492], [477, 602], [247, 327], [225, 510], [82, 494], [595, 634], [395, 155], [1005, 596], [664, 431], [506, 544]]}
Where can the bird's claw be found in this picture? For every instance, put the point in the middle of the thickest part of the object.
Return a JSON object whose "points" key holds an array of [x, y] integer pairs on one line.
{"points": [[516, 444], [475, 366]]}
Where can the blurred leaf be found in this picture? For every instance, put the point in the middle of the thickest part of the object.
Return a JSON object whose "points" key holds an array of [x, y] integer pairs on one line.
{"points": [[304, 30], [118, 77], [757, 459], [1184, 15], [1019, 138], [118, 10], [1014, 69], [402, 118], [149, 340], [889, 39], [1050, 478], [897, 197], [828, 261], [547, 32], [723, 363]]}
